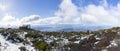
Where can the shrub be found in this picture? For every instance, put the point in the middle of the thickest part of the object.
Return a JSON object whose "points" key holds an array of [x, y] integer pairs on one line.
{"points": [[41, 45]]}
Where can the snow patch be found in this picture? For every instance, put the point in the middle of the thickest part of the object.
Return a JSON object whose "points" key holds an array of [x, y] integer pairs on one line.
{"points": [[7, 46], [112, 44]]}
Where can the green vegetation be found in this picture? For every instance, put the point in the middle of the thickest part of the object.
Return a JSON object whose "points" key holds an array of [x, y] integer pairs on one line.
{"points": [[33, 34], [41, 45], [54, 43], [38, 39]]}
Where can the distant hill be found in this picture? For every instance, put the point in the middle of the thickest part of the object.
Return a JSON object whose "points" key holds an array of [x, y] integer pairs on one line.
{"points": [[27, 39], [70, 27]]}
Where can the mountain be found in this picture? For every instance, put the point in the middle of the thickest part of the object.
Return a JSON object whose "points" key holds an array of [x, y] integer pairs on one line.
{"points": [[69, 27], [34, 40]]}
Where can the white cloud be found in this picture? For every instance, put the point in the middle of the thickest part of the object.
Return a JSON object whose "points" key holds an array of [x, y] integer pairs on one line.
{"points": [[36, 20], [3, 7], [104, 3], [100, 14], [8, 18], [30, 18], [115, 11], [90, 14], [69, 13], [88, 19], [8, 21], [50, 20]]}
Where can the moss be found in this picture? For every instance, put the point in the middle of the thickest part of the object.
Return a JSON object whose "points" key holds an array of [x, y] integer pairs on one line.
{"points": [[95, 32], [54, 43], [33, 34], [15, 38], [41, 46]]}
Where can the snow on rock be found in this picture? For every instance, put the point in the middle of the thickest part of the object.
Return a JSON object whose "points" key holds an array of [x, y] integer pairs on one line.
{"points": [[97, 42], [97, 38], [112, 44], [65, 41], [7, 46], [118, 33], [77, 42], [29, 48], [104, 50], [22, 34], [86, 36]]}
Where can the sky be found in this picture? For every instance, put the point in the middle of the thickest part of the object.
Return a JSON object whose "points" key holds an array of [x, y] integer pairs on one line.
{"points": [[40, 12]]}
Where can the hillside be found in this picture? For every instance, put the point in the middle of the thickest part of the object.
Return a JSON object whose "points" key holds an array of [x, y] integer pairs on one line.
{"points": [[33, 40]]}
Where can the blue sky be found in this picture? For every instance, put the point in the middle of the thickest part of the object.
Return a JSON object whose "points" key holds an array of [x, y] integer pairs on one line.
{"points": [[44, 8], [60, 11], [23, 8]]}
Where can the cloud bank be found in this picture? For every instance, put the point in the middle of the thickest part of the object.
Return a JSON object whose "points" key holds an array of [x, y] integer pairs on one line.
{"points": [[69, 13]]}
